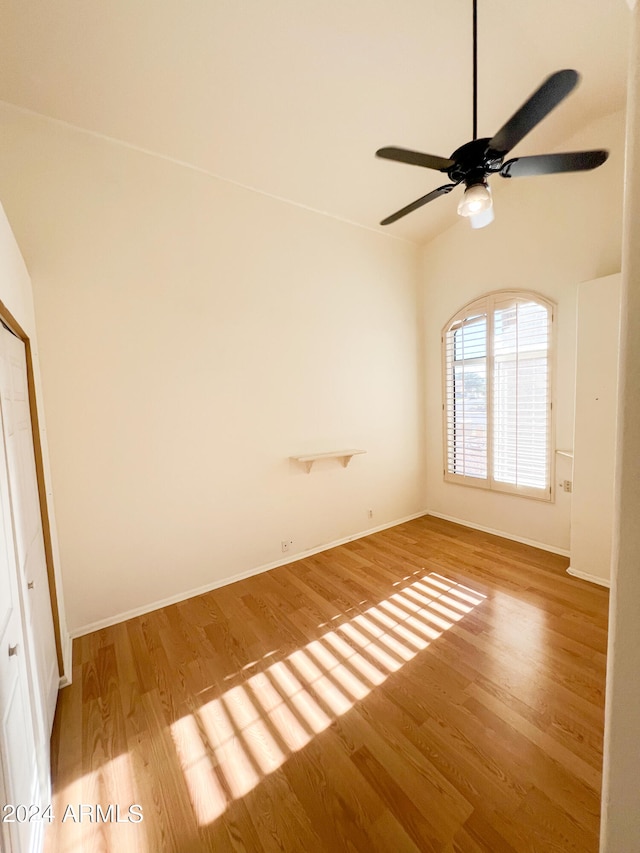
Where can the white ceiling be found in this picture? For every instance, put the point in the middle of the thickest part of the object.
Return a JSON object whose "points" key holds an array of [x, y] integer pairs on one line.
{"points": [[293, 97]]}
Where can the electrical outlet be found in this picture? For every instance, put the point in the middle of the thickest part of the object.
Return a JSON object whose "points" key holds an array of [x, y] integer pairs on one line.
{"points": [[286, 545], [370, 513]]}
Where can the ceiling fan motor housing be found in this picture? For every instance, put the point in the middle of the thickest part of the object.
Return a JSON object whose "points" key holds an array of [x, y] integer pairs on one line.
{"points": [[473, 161]]}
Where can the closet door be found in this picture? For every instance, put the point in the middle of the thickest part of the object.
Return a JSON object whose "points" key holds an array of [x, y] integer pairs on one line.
{"points": [[19, 770], [28, 536]]}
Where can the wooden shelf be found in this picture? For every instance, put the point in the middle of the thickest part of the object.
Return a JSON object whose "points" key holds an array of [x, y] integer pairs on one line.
{"points": [[343, 455]]}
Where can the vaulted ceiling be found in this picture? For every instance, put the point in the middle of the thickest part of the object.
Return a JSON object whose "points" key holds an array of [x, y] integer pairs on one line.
{"points": [[293, 97]]}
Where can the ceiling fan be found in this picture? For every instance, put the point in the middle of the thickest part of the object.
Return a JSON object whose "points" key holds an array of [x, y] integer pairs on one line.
{"points": [[477, 160]]}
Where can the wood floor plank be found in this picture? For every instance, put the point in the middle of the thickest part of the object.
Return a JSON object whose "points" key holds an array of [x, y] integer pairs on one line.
{"points": [[328, 785], [480, 834], [540, 824], [426, 688], [416, 825], [233, 832], [169, 820], [530, 762], [577, 760]]}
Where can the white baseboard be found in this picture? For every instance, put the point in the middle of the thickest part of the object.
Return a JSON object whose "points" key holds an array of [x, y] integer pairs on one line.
{"points": [[183, 596], [543, 547], [585, 576]]}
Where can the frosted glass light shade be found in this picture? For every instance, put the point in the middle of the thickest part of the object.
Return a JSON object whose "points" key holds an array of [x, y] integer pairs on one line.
{"points": [[476, 199], [480, 220]]}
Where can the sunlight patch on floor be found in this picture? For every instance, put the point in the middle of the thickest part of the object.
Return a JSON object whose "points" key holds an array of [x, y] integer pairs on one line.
{"points": [[87, 815], [231, 743], [251, 730]]}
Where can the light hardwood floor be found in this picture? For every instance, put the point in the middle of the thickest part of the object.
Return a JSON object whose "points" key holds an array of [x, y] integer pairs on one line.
{"points": [[427, 688]]}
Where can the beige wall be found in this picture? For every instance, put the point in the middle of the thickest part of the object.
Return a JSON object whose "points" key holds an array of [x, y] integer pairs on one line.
{"points": [[195, 335], [549, 234]]}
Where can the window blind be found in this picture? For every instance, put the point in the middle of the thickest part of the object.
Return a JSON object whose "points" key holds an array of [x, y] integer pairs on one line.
{"points": [[466, 391], [498, 394], [520, 394]]}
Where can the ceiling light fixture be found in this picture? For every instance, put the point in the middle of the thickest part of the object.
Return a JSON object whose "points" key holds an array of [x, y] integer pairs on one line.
{"points": [[476, 199]]}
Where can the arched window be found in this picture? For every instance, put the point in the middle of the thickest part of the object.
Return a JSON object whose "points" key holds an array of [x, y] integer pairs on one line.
{"points": [[497, 394]]}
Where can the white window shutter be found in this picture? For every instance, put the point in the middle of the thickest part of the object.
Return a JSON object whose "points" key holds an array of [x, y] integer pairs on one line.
{"points": [[466, 397], [521, 394], [497, 394]]}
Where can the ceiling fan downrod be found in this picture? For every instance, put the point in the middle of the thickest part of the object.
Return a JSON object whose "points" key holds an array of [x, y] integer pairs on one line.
{"points": [[475, 69]]}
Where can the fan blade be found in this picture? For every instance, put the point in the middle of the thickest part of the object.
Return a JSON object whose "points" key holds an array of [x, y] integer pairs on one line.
{"points": [[415, 158], [418, 203], [547, 164], [554, 90]]}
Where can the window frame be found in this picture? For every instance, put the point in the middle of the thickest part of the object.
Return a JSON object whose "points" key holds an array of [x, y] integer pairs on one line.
{"points": [[485, 305]]}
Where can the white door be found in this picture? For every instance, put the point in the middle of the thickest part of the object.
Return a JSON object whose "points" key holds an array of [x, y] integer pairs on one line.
{"points": [[595, 423], [29, 540], [18, 752]]}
